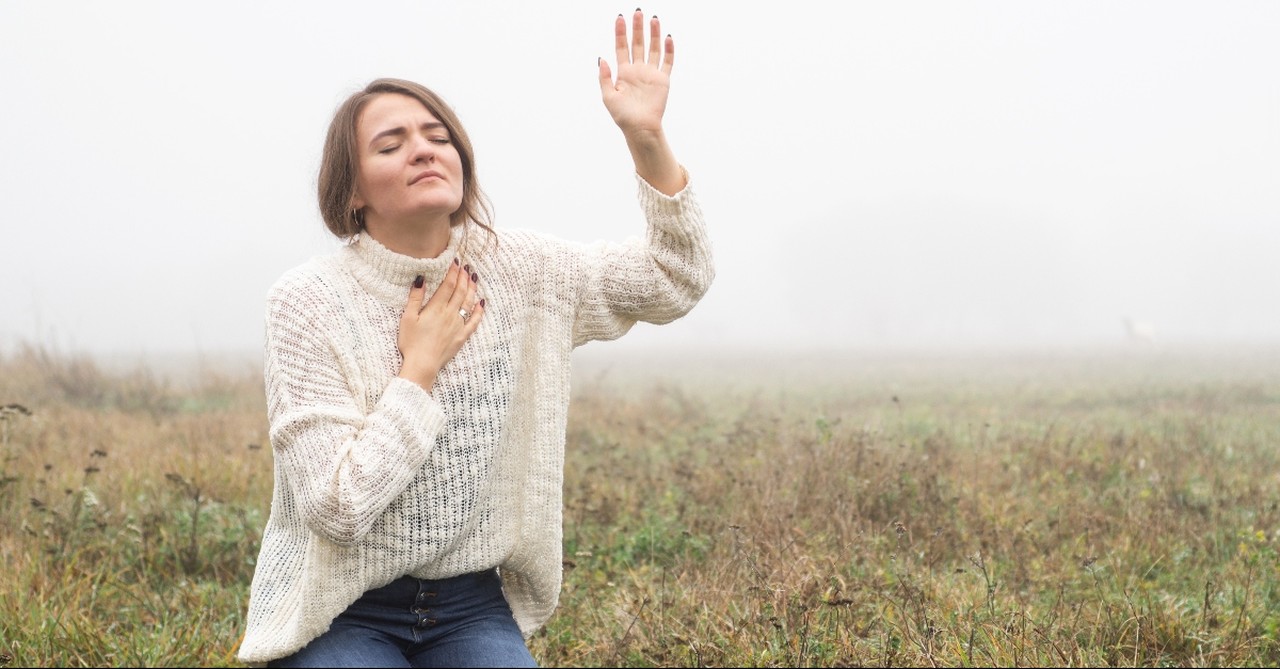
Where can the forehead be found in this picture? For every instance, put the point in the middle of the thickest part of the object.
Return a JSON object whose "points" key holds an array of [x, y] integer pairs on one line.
{"points": [[388, 110]]}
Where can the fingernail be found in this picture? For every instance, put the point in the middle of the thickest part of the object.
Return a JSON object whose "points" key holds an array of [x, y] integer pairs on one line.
{"points": [[475, 277], [455, 261], [467, 267], [417, 281], [482, 303]]}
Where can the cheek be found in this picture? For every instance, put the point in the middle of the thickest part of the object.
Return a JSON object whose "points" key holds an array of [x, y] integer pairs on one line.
{"points": [[372, 181]]}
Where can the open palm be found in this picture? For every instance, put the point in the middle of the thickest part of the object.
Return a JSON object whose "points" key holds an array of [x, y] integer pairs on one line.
{"points": [[638, 98]]}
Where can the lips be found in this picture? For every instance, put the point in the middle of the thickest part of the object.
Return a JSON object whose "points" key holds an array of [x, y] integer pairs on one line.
{"points": [[425, 175]]}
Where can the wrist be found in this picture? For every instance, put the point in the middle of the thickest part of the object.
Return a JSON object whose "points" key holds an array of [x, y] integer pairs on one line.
{"points": [[645, 139], [421, 375]]}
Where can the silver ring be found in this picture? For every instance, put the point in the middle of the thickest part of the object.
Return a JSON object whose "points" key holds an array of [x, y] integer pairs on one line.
{"points": [[466, 315]]}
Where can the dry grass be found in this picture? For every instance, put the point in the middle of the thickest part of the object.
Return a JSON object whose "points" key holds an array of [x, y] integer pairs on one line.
{"points": [[132, 509], [925, 511], [983, 512]]}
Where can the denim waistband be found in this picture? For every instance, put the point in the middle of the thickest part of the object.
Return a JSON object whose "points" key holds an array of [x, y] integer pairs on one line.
{"points": [[410, 587]]}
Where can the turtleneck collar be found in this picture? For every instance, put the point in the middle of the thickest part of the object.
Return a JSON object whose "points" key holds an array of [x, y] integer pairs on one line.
{"points": [[387, 275]]}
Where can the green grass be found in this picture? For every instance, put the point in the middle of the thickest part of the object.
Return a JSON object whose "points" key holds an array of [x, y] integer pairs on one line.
{"points": [[1027, 510]]}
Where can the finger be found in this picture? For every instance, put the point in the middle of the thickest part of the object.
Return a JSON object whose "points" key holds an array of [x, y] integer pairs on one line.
{"points": [[637, 37], [477, 311], [448, 286], [416, 292], [620, 40], [455, 282], [472, 288], [466, 282], [655, 42], [670, 55]]}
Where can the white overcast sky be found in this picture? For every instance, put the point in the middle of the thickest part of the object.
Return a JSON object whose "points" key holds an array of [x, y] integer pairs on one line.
{"points": [[874, 174]]}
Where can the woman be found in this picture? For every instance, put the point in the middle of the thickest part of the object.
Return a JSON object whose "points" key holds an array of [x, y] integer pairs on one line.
{"points": [[418, 384]]}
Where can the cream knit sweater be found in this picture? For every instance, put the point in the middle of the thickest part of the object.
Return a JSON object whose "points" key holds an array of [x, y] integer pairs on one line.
{"points": [[376, 478]]}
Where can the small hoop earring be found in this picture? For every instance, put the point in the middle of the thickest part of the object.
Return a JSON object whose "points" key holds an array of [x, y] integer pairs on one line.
{"points": [[358, 217]]}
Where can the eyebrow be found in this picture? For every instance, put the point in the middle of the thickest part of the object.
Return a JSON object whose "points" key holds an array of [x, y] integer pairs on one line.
{"points": [[400, 130]]}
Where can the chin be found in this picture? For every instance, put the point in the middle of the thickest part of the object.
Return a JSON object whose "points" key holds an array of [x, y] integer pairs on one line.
{"points": [[436, 206]]}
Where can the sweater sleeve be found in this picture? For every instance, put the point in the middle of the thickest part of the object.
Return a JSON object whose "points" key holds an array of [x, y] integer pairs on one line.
{"points": [[656, 279], [343, 466]]}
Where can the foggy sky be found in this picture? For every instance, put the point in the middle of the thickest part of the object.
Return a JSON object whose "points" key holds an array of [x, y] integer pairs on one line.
{"points": [[873, 174]]}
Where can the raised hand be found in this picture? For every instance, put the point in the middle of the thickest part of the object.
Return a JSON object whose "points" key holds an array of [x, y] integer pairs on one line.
{"points": [[637, 99]]}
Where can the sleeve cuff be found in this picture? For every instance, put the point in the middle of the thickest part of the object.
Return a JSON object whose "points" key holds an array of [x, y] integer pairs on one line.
{"points": [[651, 197]]}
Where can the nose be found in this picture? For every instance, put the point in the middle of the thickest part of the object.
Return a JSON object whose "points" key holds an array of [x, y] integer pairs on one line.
{"points": [[423, 150]]}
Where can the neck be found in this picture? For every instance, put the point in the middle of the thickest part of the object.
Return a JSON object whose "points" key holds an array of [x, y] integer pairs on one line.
{"points": [[414, 238]]}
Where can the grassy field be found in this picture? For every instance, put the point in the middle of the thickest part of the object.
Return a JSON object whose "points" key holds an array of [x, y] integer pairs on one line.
{"points": [[1100, 509]]}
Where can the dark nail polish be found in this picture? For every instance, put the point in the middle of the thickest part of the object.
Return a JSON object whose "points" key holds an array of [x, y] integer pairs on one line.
{"points": [[455, 261], [637, 9], [417, 281], [467, 268], [475, 277], [482, 303]]}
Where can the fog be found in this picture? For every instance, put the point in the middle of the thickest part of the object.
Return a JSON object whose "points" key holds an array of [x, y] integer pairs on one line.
{"points": [[875, 175]]}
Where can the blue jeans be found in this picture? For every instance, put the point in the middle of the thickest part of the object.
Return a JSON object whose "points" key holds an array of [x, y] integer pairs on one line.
{"points": [[462, 621]]}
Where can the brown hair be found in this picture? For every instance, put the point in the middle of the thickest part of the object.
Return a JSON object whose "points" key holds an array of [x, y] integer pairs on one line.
{"points": [[339, 164]]}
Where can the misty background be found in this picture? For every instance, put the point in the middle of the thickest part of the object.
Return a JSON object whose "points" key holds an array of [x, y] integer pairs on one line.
{"points": [[875, 175]]}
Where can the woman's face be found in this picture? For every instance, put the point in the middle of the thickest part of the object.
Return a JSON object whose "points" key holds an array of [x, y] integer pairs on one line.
{"points": [[409, 167]]}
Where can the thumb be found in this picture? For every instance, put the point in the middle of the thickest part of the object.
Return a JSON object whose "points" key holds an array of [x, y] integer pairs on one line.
{"points": [[606, 76]]}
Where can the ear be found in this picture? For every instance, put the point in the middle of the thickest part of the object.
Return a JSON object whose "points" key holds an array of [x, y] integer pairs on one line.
{"points": [[357, 202]]}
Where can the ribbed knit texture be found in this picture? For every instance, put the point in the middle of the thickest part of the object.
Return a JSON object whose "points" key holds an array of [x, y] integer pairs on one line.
{"points": [[376, 478]]}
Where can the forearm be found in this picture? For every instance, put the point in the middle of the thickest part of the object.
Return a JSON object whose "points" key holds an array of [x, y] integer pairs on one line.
{"points": [[345, 462], [656, 280], [344, 468], [655, 161]]}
